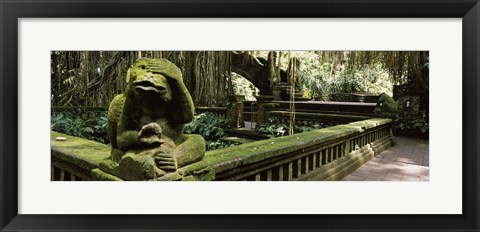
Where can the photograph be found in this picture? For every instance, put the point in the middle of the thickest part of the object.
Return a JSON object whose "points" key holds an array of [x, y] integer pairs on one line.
{"points": [[252, 115], [278, 115]]}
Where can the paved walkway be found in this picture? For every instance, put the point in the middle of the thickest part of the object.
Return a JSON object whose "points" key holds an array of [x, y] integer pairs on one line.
{"points": [[406, 161]]}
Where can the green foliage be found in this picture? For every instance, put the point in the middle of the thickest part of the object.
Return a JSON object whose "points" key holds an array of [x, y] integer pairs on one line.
{"points": [[210, 127], [218, 144], [319, 78], [412, 125], [88, 125], [315, 126], [273, 128], [92, 125], [320, 82]]}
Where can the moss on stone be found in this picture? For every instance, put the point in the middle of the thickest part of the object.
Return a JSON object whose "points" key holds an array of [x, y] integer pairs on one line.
{"points": [[136, 167], [155, 86], [108, 165], [229, 158], [370, 123], [199, 171], [88, 154], [83, 153], [99, 175], [386, 107]]}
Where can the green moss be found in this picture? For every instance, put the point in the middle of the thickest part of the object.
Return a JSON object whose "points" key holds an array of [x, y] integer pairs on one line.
{"points": [[386, 107], [83, 153], [108, 165], [89, 154], [136, 167], [206, 176], [161, 86], [366, 124], [197, 171], [232, 157], [99, 175]]}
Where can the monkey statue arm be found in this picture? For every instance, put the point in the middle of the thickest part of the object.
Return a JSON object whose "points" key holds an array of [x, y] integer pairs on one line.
{"points": [[127, 140], [191, 150], [147, 137]]}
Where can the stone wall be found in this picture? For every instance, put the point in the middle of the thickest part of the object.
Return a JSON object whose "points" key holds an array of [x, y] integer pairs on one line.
{"points": [[408, 100]]}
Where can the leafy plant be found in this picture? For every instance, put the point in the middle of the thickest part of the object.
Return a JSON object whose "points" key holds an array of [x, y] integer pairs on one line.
{"points": [[274, 128], [210, 127], [321, 77], [412, 125], [92, 125], [315, 126], [77, 123]]}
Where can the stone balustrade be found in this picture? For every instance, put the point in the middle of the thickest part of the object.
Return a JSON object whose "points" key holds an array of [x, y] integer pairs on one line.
{"points": [[218, 111], [344, 108], [75, 158], [325, 154], [309, 119]]}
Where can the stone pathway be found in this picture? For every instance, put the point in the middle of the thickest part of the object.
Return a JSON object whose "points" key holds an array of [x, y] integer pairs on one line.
{"points": [[406, 161]]}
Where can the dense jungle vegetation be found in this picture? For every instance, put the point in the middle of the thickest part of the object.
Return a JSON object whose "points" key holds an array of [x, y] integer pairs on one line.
{"points": [[93, 78]]}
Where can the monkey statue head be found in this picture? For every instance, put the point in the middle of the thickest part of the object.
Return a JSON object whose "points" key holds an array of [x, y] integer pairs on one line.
{"points": [[386, 107]]}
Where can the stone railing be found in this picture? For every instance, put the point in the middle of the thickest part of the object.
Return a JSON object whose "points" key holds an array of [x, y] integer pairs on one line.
{"points": [[354, 97], [74, 158], [345, 108], [325, 154], [58, 109], [309, 119], [218, 111], [250, 109]]}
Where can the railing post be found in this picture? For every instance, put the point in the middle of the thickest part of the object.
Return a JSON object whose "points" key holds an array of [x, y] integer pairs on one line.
{"points": [[235, 111], [393, 141], [263, 102], [253, 114]]}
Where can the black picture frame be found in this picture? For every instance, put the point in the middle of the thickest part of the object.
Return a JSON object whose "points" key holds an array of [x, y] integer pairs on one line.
{"points": [[11, 11]]}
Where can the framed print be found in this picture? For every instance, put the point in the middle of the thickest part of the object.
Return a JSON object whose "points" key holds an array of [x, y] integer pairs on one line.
{"points": [[36, 33]]}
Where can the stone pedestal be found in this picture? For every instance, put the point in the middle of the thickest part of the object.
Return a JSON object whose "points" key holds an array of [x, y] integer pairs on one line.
{"points": [[199, 171]]}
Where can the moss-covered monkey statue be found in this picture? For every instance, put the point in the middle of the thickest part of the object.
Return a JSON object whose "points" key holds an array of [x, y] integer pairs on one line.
{"points": [[386, 107], [145, 124]]}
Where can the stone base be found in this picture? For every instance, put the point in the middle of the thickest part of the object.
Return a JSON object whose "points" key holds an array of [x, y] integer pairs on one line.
{"points": [[199, 171], [99, 175]]}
